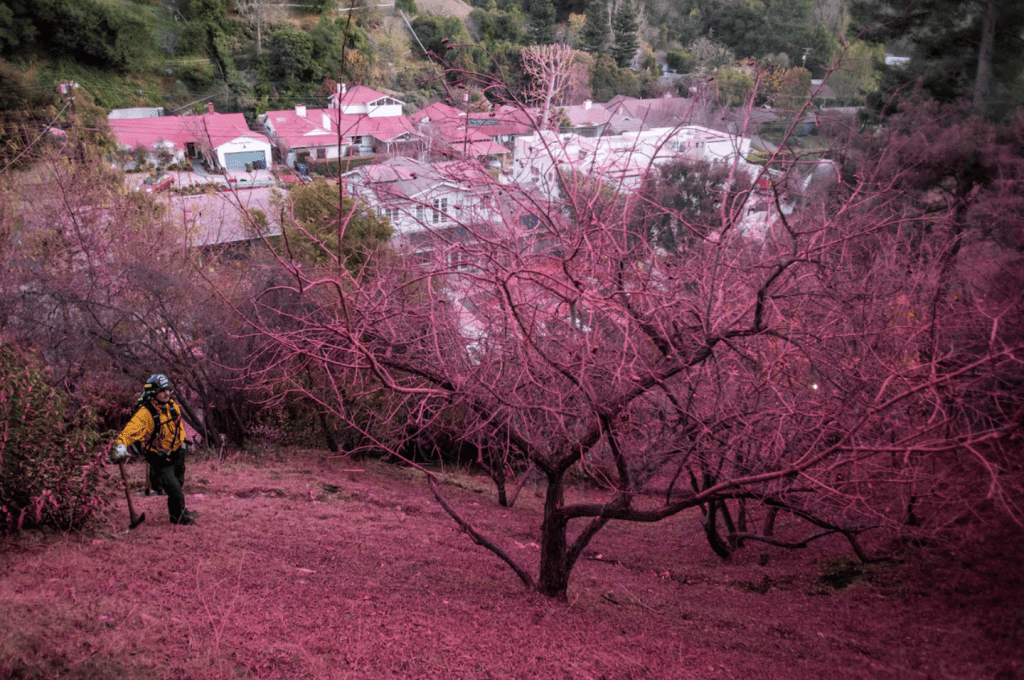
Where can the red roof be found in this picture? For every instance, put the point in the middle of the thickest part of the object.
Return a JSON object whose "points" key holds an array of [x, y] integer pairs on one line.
{"points": [[310, 130], [218, 128], [437, 111], [359, 94]]}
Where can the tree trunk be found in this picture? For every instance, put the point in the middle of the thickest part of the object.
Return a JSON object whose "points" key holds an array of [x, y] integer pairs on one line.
{"points": [[332, 443], [989, 15], [711, 531], [769, 522], [553, 579]]}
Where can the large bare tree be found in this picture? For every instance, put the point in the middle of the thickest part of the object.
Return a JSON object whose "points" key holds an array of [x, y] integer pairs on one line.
{"points": [[825, 360]]}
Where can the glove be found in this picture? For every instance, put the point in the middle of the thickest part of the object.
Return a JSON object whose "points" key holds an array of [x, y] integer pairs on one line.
{"points": [[120, 453]]}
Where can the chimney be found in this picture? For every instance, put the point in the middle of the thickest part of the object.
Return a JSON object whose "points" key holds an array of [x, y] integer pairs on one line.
{"points": [[300, 110], [343, 89], [587, 104], [326, 121], [209, 107]]}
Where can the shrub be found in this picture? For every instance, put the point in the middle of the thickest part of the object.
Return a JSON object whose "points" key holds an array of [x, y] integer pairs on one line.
{"points": [[51, 468], [680, 61]]}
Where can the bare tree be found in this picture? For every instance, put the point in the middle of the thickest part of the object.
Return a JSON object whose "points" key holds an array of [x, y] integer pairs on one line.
{"points": [[556, 76], [104, 284], [788, 366], [261, 13]]}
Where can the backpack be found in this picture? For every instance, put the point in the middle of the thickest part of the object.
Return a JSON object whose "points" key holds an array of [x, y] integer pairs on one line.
{"points": [[155, 414]]}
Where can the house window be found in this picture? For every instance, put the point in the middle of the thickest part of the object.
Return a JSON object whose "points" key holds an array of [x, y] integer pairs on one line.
{"points": [[440, 206], [321, 153], [421, 214], [389, 212]]}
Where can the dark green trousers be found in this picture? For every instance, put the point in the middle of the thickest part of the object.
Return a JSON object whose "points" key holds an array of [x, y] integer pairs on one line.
{"points": [[168, 473]]}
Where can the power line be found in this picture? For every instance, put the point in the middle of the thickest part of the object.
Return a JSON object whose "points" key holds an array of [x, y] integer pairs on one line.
{"points": [[36, 140]]}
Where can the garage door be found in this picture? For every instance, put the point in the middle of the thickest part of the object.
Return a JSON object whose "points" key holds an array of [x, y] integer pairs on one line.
{"points": [[237, 161]]}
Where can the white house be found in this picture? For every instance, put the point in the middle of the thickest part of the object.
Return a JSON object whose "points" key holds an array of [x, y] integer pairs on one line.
{"points": [[359, 121], [621, 161], [223, 139], [427, 203]]}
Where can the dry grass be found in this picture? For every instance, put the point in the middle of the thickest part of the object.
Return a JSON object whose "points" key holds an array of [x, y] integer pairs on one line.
{"points": [[301, 570], [444, 8]]}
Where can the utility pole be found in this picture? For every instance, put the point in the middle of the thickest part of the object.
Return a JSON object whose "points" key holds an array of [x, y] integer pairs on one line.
{"points": [[67, 90]]}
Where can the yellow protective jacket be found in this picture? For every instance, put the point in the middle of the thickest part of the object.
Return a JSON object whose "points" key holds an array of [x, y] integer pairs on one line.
{"points": [[171, 433]]}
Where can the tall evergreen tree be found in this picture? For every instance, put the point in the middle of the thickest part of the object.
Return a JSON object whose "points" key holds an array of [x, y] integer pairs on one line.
{"points": [[626, 34], [597, 29], [542, 21], [958, 48]]}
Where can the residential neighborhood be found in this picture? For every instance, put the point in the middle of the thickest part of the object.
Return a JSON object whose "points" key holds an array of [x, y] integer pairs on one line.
{"points": [[437, 168]]}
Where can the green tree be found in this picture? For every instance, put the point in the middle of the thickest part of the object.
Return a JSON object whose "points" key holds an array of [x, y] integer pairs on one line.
{"points": [[115, 36], [17, 26], [734, 87], [542, 21], [491, 26], [314, 220], [597, 36], [436, 33], [604, 78], [626, 31], [935, 33], [680, 61]]}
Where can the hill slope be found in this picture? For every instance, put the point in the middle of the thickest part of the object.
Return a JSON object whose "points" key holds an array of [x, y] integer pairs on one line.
{"points": [[301, 568], [445, 8]]}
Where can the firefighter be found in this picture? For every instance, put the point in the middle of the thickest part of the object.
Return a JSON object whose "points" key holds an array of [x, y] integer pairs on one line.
{"points": [[157, 428]]}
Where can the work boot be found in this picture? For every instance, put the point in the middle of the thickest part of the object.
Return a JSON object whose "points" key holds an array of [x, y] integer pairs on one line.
{"points": [[186, 519]]}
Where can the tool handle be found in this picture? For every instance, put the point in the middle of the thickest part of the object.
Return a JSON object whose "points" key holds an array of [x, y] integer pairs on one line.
{"points": [[127, 492]]}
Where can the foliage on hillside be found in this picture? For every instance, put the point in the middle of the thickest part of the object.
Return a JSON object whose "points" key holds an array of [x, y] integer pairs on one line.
{"points": [[51, 462]]}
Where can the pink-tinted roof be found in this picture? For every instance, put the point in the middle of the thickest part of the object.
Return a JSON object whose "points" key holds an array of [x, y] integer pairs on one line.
{"points": [[385, 129], [456, 132], [488, 148], [218, 128], [437, 111], [581, 115], [359, 94], [309, 130], [504, 120]]}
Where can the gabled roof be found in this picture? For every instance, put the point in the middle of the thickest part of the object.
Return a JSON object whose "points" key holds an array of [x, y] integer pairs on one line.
{"points": [[437, 111], [360, 94], [385, 129], [308, 127], [631, 113], [407, 178], [504, 120], [177, 131], [588, 114]]}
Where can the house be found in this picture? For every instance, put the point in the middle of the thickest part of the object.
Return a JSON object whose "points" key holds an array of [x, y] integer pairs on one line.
{"points": [[359, 122], [504, 124], [501, 125], [621, 161], [364, 101], [223, 140], [422, 200], [629, 114], [453, 137], [436, 113], [587, 120]]}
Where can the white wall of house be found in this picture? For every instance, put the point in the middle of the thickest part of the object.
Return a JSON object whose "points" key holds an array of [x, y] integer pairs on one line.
{"points": [[619, 160], [249, 146], [322, 147], [380, 108]]}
